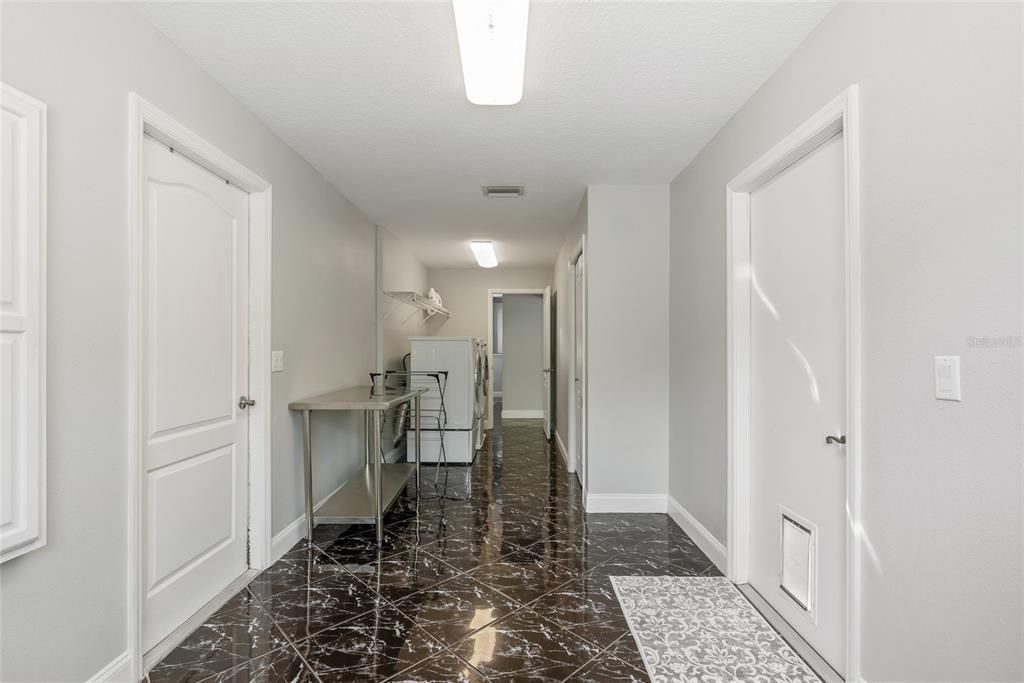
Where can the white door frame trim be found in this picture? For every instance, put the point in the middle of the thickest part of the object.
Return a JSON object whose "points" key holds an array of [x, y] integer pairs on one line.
{"points": [[840, 115], [489, 423], [571, 389], [146, 119]]}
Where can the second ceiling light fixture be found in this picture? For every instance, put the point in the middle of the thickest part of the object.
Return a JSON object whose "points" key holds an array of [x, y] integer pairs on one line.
{"points": [[492, 44], [484, 253]]}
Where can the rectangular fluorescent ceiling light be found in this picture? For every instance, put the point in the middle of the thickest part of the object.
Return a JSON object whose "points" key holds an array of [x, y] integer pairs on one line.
{"points": [[484, 252], [492, 43]]}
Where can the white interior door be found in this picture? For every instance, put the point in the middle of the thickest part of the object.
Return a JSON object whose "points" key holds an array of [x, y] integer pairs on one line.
{"points": [[194, 370], [548, 371], [580, 358], [798, 397]]}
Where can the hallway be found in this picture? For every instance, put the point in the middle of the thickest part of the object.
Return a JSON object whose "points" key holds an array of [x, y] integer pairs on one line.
{"points": [[510, 583], [759, 345]]}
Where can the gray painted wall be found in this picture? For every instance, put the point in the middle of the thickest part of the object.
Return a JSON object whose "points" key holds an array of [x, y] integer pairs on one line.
{"points": [[497, 316], [403, 272], [522, 381], [63, 607], [942, 215], [464, 291], [627, 270]]}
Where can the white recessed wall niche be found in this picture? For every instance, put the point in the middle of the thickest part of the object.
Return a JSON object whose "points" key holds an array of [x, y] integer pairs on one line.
{"points": [[22, 323]]}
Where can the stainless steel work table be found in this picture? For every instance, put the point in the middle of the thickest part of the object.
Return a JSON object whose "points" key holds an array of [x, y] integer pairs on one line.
{"points": [[373, 489]]}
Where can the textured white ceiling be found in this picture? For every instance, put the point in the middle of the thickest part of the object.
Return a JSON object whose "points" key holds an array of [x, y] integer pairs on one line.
{"points": [[371, 94]]}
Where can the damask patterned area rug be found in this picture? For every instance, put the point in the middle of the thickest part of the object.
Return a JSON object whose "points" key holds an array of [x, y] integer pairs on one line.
{"points": [[703, 629]]}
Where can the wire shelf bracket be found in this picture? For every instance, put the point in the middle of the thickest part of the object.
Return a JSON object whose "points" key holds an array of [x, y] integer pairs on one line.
{"points": [[417, 301]]}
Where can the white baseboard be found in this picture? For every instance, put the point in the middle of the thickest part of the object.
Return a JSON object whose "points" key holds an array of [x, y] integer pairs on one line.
{"points": [[625, 502], [521, 414], [565, 452], [176, 637], [117, 671], [710, 545], [293, 533], [287, 538]]}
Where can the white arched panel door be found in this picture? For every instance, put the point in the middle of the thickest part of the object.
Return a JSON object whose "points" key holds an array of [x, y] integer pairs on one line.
{"points": [[194, 373]]}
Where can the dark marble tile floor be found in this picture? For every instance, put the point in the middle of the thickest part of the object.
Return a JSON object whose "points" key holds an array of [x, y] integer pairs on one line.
{"points": [[500, 577]]}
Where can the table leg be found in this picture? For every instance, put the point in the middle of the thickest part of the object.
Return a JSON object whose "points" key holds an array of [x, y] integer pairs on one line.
{"points": [[366, 431], [378, 492], [307, 460], [419, 445]]}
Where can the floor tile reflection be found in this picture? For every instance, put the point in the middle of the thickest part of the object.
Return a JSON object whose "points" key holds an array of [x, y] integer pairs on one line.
{"points": [[239, 632], [526, 647], [371, 647], [456, 608]]}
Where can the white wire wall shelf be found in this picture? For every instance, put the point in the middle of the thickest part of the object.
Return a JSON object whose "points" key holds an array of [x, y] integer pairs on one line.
{"points": [[417, 301]]}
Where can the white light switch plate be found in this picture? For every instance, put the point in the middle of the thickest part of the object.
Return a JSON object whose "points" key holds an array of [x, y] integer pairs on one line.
{"points": [[276, 361], [947, 378]]}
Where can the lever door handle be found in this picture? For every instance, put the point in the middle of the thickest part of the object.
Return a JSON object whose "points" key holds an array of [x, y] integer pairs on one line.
{"points": [[246, 402], [841, 440]]}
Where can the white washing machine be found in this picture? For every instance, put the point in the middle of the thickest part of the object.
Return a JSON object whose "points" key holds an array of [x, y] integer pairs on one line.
{"points": [[465, 360]]}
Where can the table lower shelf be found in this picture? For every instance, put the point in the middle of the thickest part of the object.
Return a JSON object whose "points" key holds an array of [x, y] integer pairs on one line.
{"points": [[353, 503]]}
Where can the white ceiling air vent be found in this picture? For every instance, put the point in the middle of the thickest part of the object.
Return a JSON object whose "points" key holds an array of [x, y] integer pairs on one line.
{"points": [[504, 190]]}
